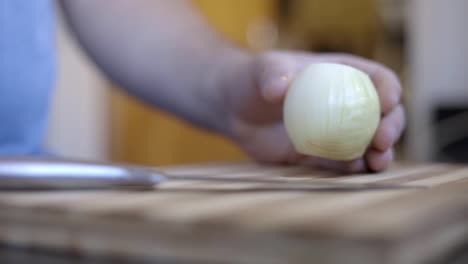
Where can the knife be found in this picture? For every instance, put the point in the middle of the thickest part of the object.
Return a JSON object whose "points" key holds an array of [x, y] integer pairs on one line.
{"points": [[45, 174]]}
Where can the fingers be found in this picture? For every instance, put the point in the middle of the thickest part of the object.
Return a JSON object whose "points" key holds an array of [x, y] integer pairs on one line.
{"points": [[381, 155], [378, 160], [390, 129], [388, 87]]}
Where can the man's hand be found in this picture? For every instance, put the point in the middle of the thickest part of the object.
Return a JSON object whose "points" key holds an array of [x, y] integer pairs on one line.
{"points": [[254, 89], [190, 70]]}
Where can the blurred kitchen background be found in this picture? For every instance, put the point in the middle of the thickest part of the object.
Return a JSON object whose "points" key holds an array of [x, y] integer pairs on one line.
{"points": [[424, 41]]}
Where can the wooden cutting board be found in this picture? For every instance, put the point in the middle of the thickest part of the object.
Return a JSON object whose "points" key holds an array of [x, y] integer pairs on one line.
{"points": [[214, 222]]}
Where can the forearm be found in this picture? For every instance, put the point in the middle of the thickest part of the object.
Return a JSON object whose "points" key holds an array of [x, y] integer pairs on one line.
{"points": [[161, 51]]}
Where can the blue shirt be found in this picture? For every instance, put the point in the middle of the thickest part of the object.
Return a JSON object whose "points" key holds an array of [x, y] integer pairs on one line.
{"points": [[27, 73]]}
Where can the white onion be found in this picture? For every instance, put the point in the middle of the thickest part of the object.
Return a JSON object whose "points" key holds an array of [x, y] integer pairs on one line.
{"points": [[331, 111]]}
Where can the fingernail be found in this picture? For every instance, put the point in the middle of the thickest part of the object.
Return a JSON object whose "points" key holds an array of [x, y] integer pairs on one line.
{"points": [[276, 89], [285, 78]]}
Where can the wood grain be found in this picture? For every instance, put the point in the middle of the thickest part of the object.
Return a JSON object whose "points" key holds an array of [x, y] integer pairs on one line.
{"points": [[188, 221]]}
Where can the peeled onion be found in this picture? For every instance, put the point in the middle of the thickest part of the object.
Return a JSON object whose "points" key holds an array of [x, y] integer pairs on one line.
{"points": [[331, 111]]}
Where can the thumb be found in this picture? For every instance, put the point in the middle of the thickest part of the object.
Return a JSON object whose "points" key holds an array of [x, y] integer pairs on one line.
{"points": [[275, 72]]}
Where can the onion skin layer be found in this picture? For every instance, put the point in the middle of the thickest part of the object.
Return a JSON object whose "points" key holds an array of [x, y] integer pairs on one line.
{"points": [[331, 111]]}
